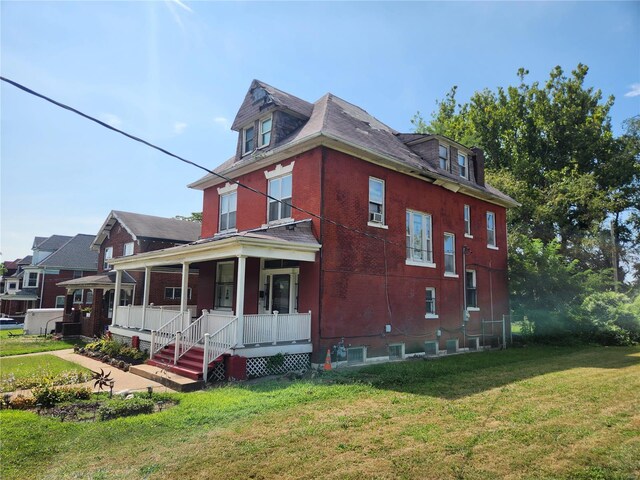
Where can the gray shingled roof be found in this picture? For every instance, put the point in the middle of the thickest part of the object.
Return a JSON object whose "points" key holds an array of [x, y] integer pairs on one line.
{"points": [[37, 241], [295, 232], [26, 260], [274, 98], [75, 254], [94, 281], [338, 119], [52, 243]]}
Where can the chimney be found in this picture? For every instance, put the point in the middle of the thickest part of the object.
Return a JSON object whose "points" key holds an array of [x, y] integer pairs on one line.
{"points": [[478, 165]]}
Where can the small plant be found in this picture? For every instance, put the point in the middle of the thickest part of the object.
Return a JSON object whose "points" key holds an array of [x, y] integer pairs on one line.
{"points": [[125, 408], [20, 402]]}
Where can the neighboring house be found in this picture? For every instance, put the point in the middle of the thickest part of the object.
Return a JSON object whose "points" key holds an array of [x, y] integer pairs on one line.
{"points": [[55, 259], [11, 283], [412, 248], [124, 234]]}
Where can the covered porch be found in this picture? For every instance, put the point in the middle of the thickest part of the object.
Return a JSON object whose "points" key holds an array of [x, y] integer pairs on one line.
{"points": [[253, 298]]}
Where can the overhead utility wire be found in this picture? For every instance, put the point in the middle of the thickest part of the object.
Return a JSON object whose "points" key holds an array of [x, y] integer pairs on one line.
{"points": [[189, 162]]}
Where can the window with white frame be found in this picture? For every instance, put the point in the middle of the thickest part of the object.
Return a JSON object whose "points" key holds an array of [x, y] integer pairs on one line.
{"points": [[127, 249], [265, 131], [491, 229], [77, 296], [88, 298], [430, 299], [449, 253], [32, 279], [108, 255], [12, 286], [467, 220], [228, 206], [376, 200], [281, 190], [463, 166], [224, 286], [175, 293], [60, 301], [248, 140], [419, 240], [471, 294], [443, 154]]}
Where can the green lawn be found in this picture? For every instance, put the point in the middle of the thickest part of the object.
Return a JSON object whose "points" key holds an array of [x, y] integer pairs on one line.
{"points": [[30, 343], [26, 371], [531, 413]]}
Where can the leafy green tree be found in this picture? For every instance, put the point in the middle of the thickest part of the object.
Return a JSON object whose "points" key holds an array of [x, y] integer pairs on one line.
{"points": [[194, 217]]}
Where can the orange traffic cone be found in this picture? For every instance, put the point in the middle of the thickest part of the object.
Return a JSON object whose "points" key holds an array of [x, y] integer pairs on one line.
{"points": [[327, 362]]}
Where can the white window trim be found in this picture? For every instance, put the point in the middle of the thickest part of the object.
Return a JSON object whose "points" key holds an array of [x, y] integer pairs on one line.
{"points": [[105, 265], [28, 274], [287, 171], [189, 292], [63, 301], [447, 163], [262, 120], [418, 263], [493, 246], [453, 274], [383, 223], [218, 308], [227, 230], [124, 249], [244, 140], [279, 171], [467, 209], [466, 165], [432, 315], [228, 188]]}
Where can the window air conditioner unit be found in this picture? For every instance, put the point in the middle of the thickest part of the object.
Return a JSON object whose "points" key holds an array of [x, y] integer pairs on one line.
{"points": [[375, 217]]}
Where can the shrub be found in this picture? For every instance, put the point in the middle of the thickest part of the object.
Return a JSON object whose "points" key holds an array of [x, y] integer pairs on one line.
{"points": [[115, 408], [20, 402], [47, 395], [608, 318]]}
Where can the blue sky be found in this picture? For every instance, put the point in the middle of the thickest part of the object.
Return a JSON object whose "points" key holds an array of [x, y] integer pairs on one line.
{"points": [[175, 73]]}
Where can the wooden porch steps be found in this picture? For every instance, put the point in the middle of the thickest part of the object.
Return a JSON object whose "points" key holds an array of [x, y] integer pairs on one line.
{"points": [[189, 366]]}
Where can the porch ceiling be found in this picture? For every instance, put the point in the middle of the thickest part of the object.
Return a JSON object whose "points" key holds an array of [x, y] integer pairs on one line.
{"points": [[245, 244]]}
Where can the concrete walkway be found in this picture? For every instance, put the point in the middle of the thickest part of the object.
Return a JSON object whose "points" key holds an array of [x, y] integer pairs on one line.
{"points": [[123, 380]]}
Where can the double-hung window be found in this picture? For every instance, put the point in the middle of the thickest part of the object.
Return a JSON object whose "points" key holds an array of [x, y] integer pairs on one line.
{"points": [[32, 279], [108, 255], [449, 254], [60, 301], [175, 293], [224, 286], [248, 140], [463, 166], [265, 131], [419, 240], [77, 296], [471, 294], [467, 221], [280, 189], [431, 303], [228, 205], [127, 249], [491, 230], [376, 201], [443, 153]]}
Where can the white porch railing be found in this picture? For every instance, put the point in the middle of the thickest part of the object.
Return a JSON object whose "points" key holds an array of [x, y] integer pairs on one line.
{"points": [[166, 333], [218, 343], [148, 318], [274, 328]]}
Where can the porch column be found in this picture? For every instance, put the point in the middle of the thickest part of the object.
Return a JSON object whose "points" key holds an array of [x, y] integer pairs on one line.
{"points": [[145, 294], [242, 264], [184, 295], [116, 297]]}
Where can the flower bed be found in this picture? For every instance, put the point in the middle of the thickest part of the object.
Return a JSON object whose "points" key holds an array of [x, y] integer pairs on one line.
{"points": [[113, 352]]}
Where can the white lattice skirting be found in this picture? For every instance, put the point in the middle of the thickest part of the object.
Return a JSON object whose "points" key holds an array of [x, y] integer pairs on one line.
{"points": [[217, 373], [277, 365]]}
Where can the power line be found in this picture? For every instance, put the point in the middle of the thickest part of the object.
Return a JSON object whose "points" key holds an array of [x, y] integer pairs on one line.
{"points": [[189, 162]]}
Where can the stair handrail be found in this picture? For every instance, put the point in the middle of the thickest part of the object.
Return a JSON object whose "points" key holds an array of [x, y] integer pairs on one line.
{"points": [[165, 334], [217, 344], [190, 337]]}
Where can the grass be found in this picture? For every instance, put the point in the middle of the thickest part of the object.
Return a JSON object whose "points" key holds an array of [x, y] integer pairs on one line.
{"points": [[523, 413], [27, 371], [30, 343]]}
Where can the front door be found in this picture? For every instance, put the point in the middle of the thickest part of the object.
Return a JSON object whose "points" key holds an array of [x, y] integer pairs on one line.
{"points": [[281, 293]]}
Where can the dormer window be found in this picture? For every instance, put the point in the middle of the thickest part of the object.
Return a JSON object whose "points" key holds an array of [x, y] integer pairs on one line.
{"points": [[443, 153], [248, 140], [463, 166], [265, 131]]}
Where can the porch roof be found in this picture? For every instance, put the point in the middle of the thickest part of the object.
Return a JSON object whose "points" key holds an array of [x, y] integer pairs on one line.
{"points": [[21, 295], [289, 241], [106, 280]]}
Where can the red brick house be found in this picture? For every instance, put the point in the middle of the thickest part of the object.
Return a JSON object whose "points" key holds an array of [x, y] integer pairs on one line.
{"points": [[124, 234], [342, 235], [55, 259]]}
